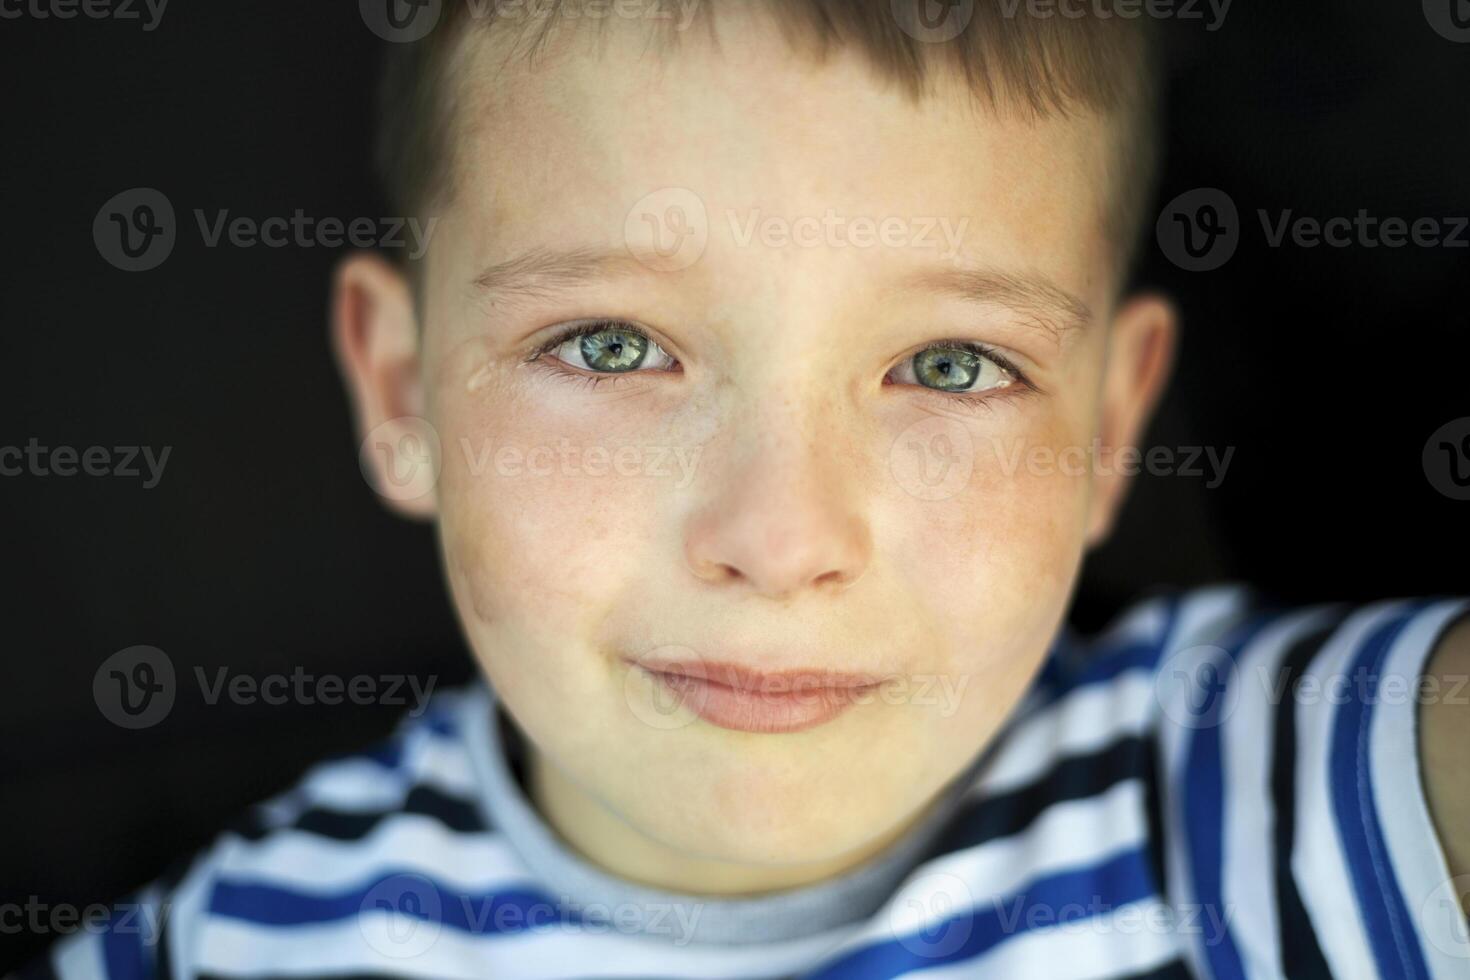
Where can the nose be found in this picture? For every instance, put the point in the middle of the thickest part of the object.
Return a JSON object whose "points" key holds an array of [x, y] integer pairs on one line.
{"points": [[779, 526]]}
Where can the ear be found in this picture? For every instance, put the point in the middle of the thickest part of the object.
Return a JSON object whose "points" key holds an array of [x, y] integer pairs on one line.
{"points": [[375, 337], [1139, 359]]}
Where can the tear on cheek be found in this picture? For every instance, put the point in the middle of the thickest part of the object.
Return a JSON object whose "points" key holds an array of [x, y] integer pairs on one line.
{"points": [[470, 582], [480, 378]]}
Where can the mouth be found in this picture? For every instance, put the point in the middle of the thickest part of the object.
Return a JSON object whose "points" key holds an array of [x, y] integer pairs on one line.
{"points": [[739, 698]]}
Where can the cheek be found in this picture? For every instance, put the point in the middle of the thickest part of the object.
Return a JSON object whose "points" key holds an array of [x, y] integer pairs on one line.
{"points": [[995, 562], [543, 523], [1014, 523]]}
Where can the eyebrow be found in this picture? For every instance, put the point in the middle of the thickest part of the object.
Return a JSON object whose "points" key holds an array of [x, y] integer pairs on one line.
{"points": [[542, 271], [1040, 302], [1037, 299]]}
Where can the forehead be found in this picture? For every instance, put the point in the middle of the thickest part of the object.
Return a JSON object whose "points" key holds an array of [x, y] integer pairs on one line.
{"points": [[558, 152]]}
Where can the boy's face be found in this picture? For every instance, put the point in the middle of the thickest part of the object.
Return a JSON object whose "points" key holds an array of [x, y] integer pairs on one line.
{"points": [[776, 484]]}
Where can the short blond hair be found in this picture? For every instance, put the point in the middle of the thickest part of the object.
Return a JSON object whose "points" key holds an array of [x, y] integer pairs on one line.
{"points": [[1013, 57]]}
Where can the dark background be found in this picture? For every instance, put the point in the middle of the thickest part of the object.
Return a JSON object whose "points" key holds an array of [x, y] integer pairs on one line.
{"points": [[262, 549]]}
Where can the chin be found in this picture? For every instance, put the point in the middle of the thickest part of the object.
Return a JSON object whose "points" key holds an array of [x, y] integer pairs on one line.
{"points": [[751, 817]]}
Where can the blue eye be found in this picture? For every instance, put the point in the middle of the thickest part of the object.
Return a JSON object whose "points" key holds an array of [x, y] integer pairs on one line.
{"points": [[609, 348], [955, 369]]}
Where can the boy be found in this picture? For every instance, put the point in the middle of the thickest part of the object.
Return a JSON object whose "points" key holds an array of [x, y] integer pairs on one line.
{"points": [[796, 703]]}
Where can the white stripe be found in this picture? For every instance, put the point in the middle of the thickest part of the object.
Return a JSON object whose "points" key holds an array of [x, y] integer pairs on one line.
{"points": [[1119, 943], [1093, 716], [1418, 862], [1318, 866], [79, 957], [1065, 836], [1246, 749], [1144, 623], [363, 944], [356, 785], [403, 843], [186, 909], [1203, 618], [1081, 722]]}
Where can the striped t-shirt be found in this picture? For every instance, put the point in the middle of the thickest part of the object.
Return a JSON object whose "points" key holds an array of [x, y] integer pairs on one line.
{"points": [[1207, 789]]}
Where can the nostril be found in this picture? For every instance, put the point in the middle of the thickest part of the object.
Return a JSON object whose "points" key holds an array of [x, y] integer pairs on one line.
{"points": [[832, 579]]}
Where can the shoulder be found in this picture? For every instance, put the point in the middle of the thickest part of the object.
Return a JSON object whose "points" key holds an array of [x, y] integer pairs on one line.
{"points": [[1279, 749], [1444, 720], [316, 874]]}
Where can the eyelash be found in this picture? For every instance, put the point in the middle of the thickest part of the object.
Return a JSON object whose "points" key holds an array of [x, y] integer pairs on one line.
{"points": [[1020, 385], [579, 330]]}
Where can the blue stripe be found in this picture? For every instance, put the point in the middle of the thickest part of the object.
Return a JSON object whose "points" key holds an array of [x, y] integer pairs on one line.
{"points": [[1095, 890], [1386, 919], [1204, 801], [437, 721], [1071, 664], [406, 893], [123, 954], [442, 723]]}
